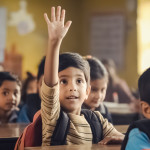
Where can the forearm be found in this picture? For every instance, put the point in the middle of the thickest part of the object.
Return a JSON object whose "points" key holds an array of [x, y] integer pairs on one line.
{"points": [[52, 63]]}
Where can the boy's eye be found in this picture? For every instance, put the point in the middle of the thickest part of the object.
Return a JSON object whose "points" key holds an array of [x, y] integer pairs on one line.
{"points": [[79, 81], [5, 93], [63, 81], [103, 90], [16, 93]]}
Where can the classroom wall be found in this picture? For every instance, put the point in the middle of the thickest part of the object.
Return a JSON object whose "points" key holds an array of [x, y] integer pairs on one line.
{"points": [[129, 70], [33, 45]]}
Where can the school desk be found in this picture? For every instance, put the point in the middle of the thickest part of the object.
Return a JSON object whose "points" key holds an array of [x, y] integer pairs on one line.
{"points": [[9, 134], [122, 128], [121, 113], [118, 108], [77, 147]]}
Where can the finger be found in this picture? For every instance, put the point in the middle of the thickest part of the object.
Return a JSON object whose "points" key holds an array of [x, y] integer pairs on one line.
{"points": [[53, 14], [46, 18], [58, 13], [62, 18], [102, 142], [68, 24], [105, 140]]}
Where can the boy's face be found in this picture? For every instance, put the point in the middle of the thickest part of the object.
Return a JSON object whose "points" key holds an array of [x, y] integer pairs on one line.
{"points": [[73, 89], [98, 92], [9, 95]]}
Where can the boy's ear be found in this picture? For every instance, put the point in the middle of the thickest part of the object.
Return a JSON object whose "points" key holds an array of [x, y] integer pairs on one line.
{"points": [[145, 109], [88, 90]]}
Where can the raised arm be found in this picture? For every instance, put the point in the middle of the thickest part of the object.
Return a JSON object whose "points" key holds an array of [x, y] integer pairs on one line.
{"points": [[56, 32]]}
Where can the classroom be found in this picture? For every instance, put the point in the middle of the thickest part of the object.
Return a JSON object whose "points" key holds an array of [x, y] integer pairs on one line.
{"points": [[74, 75]]}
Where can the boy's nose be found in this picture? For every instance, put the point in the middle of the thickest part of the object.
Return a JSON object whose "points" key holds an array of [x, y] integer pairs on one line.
{"points": [[13, 99], [98, 95], [72, 89]]}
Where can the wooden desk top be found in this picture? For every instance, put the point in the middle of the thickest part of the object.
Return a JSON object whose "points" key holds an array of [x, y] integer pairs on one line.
{"points": [[77, 147], [118, 108], [121, 128], [13, 130]]}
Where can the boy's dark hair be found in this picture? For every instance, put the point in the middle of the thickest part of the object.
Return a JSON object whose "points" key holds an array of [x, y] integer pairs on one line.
{"points": [[41, 68], [97, 69], [144, 86], [74, 60], [9, 77]]}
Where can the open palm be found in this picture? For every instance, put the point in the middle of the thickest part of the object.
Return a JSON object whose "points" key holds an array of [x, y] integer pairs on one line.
{"points": [[56, 28]]}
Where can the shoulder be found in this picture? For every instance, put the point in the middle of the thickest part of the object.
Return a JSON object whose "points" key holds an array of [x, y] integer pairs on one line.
{"points": [[23, 109], [135, 132], [23, 115], [99, 115], [103, 120], [13, 116], [139, 138]]}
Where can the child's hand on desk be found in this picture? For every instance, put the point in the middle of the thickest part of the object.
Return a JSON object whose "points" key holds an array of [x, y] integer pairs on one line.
{"points": [[111, 140], [56, 28]]}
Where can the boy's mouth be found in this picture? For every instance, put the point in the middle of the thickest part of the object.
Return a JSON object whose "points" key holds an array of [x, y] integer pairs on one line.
{"points": [[72, 97], [10, 105], [97, 101]]}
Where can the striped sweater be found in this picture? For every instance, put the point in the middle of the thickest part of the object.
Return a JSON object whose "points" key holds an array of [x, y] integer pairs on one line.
{"points": [[79, 131]]}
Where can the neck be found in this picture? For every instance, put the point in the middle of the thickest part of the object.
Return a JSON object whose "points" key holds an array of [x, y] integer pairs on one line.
{"points": [[75, 112], [3, 116]]}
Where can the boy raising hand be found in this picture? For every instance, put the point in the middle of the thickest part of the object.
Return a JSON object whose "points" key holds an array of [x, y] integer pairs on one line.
{"points": [[64, 89]]}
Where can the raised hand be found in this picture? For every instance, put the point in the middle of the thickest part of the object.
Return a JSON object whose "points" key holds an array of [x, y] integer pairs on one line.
{"points": [[56, 27]]}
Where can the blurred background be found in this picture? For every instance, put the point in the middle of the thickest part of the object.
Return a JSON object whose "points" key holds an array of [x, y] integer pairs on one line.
{"points": [[117, 29]]}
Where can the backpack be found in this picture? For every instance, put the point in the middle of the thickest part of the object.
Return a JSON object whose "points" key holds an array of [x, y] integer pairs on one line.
{"points": [[32, 134]]}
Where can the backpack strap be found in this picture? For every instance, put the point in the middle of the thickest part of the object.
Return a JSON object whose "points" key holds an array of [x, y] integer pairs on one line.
{"points": [[32, 134], [95, 124], [61, 129]]}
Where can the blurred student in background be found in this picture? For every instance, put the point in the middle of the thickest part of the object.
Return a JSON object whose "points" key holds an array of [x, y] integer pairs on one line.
{"points": [[33, 101], [118, 90], [29, 87], [99, 81], [10, 93]]}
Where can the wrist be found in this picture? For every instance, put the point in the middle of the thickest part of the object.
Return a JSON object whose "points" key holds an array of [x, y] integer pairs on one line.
{"points": [[54, 41]]}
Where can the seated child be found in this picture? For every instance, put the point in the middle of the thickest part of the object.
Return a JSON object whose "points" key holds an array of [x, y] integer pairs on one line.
{"points": [[33, 101], [10, 92], [99, 81], [65, 86], [117, 90], [138, 134], [68, 89], [29, 86]]}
